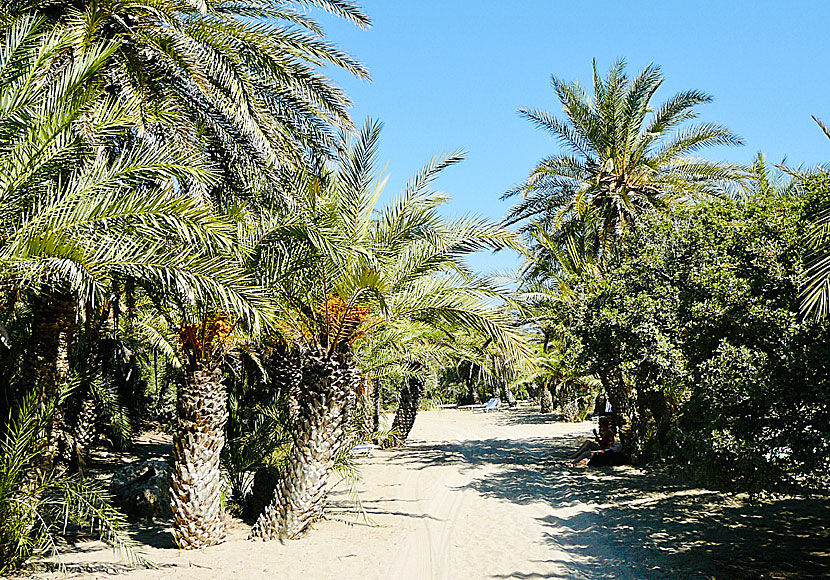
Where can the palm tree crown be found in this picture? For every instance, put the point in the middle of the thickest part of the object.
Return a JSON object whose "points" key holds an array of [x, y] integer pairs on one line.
{"points": [[622, 157], [238, 80]]}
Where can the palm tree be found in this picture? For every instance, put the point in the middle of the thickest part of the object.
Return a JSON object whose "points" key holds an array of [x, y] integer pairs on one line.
{"points": [[622, 157], [62, 199], [81, 218], [406, 352], [815, 294], [202, 411], [207, 325], [240, 77], [237, 81], [340, 271]]}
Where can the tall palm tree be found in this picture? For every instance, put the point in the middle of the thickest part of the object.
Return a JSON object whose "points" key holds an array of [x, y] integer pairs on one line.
{"points": [[239, 80], [80, 217], [621, 157], [201, 413], [408, 352], [343, 269], [61, 199]]}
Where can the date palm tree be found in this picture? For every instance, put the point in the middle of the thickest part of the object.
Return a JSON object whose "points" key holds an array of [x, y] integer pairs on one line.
{"points": [[239, 81], [407, 353], [60, 198], [235, 86], [622, 157], [339, 272], [80, 217]]}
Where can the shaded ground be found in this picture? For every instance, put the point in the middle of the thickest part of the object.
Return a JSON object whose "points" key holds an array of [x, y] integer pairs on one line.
{"points": [[642, 523], [482, 496]]}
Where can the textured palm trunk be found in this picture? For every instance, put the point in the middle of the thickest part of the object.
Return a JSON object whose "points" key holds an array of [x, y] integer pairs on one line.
{"points": [[545, 398], [85, 431], [321, 402], [509, 396], [409, 399], [285, 371], [47, 367], [376, 406], [81, 404], [196, 489]]}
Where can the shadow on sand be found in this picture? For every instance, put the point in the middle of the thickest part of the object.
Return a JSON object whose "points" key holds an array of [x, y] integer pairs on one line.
{"points": [[643, 524]]}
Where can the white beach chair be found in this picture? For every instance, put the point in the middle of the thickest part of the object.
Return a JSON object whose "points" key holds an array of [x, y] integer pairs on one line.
{"points": [[492, 405], [364, 449]]}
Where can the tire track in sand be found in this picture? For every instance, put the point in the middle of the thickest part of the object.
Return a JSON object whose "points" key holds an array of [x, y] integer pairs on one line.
{"points": [[440, 496]]}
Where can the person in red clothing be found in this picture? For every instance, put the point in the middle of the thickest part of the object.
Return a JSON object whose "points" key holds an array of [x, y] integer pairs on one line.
{"points": [[605, 439]]}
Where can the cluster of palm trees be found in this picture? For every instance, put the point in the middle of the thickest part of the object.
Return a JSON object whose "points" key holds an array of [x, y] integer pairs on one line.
{"points": [[182, 176], [621, 157]]}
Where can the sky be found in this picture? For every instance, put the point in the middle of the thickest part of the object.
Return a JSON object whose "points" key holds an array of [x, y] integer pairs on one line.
{"points": [[452, 74]]}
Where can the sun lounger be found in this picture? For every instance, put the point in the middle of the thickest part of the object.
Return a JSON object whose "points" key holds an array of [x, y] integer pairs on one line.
{"points": [[492, 405], [364, 449]]}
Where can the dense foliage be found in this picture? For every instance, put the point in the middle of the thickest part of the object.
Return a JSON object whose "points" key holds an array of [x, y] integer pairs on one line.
{"points": [[699, 317], [691, 303], [196, 238], [193, 238]]}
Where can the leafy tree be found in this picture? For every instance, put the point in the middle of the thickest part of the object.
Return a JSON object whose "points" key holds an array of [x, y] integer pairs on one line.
{"points": [[701, 319], [816, 291]]}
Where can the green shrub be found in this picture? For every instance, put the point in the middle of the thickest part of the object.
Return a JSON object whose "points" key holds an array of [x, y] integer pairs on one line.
{"points": [[699, 316], [35, 506]]}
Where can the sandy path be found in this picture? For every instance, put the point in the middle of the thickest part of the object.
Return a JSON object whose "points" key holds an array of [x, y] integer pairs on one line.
{"points": [[465, 534], [476, 496]]}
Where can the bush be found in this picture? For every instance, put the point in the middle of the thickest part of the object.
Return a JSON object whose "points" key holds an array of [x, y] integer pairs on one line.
{"points": [[699, 318], [35, 506]]}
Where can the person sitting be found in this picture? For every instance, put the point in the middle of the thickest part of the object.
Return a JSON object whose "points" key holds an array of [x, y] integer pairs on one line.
{"points": [[605, 440], [607, 458]]}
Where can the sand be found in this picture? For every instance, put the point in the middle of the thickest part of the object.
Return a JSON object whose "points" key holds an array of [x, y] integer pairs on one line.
{"points": [[476, 496]]}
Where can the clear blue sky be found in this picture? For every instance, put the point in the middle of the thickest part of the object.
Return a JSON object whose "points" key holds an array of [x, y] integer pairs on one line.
{"points": [[451, 74]]}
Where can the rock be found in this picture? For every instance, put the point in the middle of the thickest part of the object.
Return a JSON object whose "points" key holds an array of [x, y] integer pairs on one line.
{"points": [[142, 490], [262, 490]]}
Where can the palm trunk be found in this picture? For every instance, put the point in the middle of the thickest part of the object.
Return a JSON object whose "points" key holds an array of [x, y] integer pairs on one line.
{"points": [[509, 396], [82, 405], [285, 370], [47, 368], [376, 406], [545, 398], [409, 400], [85, 431], [196, 489], [322, 401]]}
